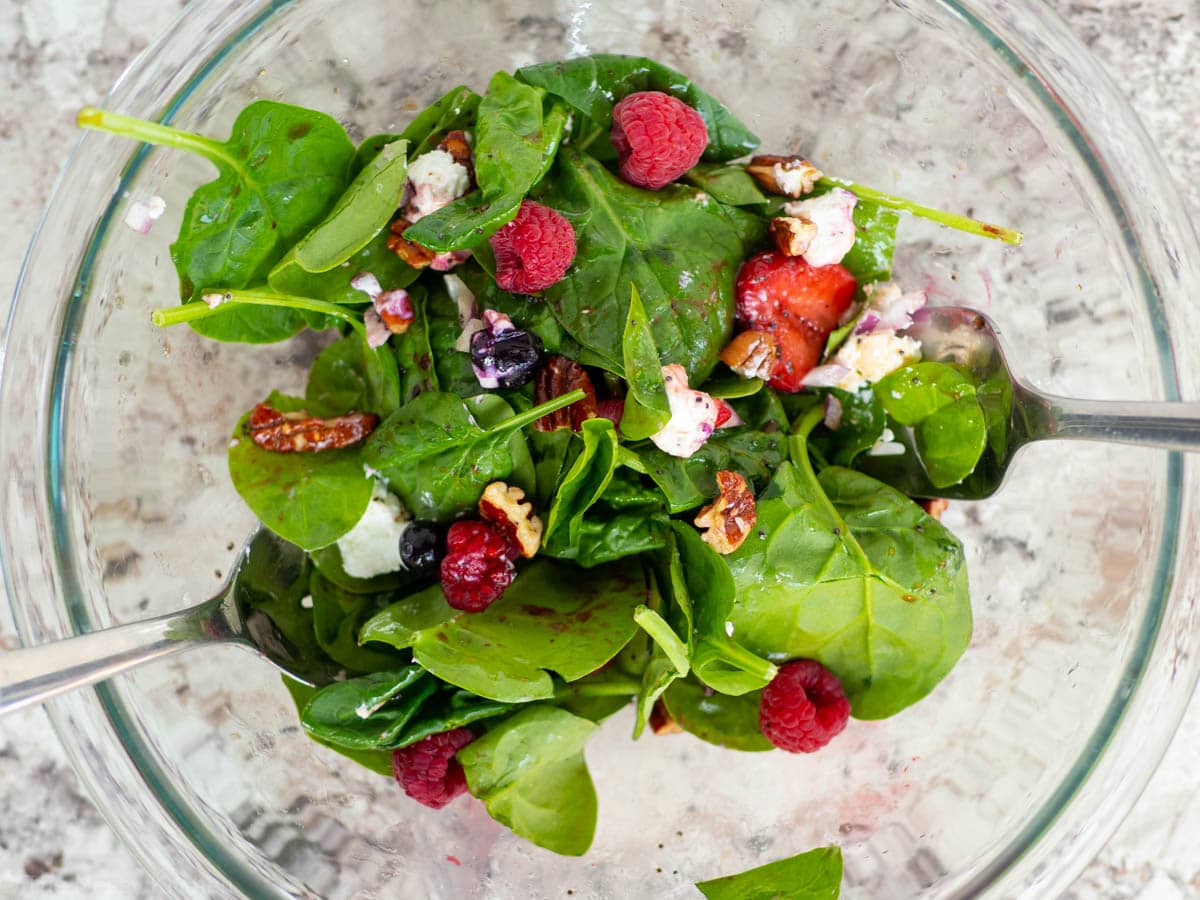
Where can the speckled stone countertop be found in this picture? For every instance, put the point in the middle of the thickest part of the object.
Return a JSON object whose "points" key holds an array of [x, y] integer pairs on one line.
{"points": [[56, 55]]}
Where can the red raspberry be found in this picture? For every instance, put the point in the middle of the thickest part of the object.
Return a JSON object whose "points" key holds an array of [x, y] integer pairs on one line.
{"points": [[477, 567], [803, 708], [534, 250], [657, 138], [428, 771], [799, 304]]}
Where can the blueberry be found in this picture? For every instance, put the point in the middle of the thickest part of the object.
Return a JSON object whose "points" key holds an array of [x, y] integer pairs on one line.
{"points": [[420, 547], [506, 359]]}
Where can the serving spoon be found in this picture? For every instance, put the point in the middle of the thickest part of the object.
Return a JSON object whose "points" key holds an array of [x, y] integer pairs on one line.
{"points": [[35, 674], [968, 338]]}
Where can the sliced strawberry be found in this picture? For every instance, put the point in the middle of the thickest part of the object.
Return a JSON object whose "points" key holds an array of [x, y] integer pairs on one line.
{"points": [[724, 412], [797, 303]]}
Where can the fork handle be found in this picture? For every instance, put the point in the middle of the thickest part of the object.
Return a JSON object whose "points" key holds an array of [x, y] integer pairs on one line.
{"points": [[1172, 426], [35, 674]]}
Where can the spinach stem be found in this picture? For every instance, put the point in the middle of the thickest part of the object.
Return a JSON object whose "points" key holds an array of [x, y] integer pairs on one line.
{"points": [[154, 133], [949, 219], [190, 312], [520, 420], [625, 688], [736, 655]]}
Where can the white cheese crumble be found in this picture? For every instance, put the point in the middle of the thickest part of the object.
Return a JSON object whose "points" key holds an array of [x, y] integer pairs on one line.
{"points": [[468, 313], [142, 214], [693, 415], [436, 180], [833, 215], [372, 546], [871, 356]]}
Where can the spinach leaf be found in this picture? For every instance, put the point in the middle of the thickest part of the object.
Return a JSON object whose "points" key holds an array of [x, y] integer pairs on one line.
{"points": [[681, 253], [646, 407], [717, 659], [581, 487], [328, 561], [728, 184], [815, 875], [437, 458], [448, 708], [369, 712], [593, 85], [668, 662], [855, 575], [490, 411], [454, 109], [377, 761], [728, 386], [862, 424], [530, 773], [942, 405], [358, 216], [391, 271], [280, 172], [350, 376], [451, 367], [553, 453], [514, 146], [418, 372], [337, 616], [995, 396], [721, 719], [548, 619], [605, 538], [663, 636], [310, 499], [688, 483], [762, 411]]}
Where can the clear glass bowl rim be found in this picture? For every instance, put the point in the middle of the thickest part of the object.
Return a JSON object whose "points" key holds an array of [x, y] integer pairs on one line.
{"points": [[1054, 846]]}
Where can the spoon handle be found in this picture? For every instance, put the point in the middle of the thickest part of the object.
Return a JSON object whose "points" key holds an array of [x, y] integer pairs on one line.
{"points": [[35, 674], [1173, 426]]}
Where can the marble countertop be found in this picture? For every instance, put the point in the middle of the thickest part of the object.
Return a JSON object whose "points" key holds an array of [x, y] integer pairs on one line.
{"points": [[56, 56]]}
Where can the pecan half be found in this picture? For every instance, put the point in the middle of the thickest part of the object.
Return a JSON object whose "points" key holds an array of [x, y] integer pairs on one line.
{"points": [[791, 176], [412, 253], [730, 517], [791, 234], [935, 507], [752, 354], [298, 432], [560, 376], [506, 508]]}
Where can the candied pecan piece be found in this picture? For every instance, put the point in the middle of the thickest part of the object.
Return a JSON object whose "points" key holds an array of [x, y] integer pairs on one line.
{"points": [[298, 432], [412, 253], [935, 507], [660, 720], [752, 354], [561, 376], [455, 143], [792, 235], [791, 176], [507, 509], [730, 517]]}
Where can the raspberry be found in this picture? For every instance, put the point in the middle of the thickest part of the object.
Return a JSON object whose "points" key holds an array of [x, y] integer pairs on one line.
{"points": [[803, 708], [797, 304], [428, 771], [534, 250], [477, 567], [657, 138]]}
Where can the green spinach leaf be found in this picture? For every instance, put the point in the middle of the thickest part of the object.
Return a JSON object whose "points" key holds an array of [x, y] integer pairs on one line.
{"points": [[310, 499], [377, 761], [942, 406], [855, 575], [328, 561], [548, 619], [515, 144], [682, 253], [530, 773], [728, 184], [369, 712], [582, 486], [593, 85], [453, 110], [280, 172], [391, 271], [646, 407], [436, 457], [862, 424], [337, 617], [815, 875], [349, 376], [721, 719]]}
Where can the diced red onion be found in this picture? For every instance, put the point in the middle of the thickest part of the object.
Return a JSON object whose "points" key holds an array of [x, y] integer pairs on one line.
{"points": [[833, 413], [825, 376], [867, 323], [611, 410]]}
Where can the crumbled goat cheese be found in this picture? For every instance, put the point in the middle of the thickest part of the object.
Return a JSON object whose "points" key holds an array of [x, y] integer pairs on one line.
{"points": [[693, 415], [436, 180], [377, 332], [468, 313], [367, 283], [833, 214], [372, 546], [142, 214], [871, 356], [888, 307]]}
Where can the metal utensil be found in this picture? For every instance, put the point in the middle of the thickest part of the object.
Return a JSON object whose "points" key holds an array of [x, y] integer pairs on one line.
{"points": [[35, 674], [969, 339]]}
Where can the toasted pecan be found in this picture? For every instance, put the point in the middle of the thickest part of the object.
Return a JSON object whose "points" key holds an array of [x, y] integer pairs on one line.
{"points": [[559, 376], [730, 516], [298, 432]]}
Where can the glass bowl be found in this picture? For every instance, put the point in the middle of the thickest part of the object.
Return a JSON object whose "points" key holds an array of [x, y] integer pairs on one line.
{"points": [[116, 502]]}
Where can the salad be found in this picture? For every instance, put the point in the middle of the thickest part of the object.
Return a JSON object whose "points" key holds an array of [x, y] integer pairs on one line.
{"points": [[595, 427]]}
